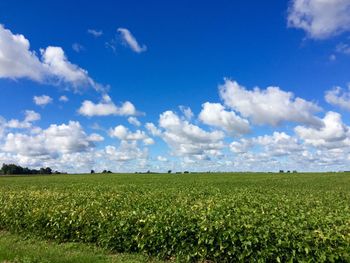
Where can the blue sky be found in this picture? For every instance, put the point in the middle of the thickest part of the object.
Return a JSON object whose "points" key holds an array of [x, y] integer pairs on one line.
{"points": [[181, 85]]}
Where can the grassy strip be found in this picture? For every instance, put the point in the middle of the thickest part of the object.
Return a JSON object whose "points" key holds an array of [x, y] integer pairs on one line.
{"points": [[17, 248]]}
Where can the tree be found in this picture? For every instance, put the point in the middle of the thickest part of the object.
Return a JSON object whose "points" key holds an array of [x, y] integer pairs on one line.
{"points": [[92, 171], [16, 169], [169, 171], [46, 170]]}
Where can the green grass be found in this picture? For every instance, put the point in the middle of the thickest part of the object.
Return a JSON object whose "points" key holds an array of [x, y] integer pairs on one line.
{"points": [[19, 248], [189, 217]]}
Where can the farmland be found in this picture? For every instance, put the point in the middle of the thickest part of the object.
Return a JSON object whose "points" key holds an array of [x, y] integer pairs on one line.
{"points": [[187, 217]]}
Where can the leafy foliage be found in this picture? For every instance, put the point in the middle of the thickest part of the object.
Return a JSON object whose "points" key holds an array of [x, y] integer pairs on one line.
{"points": [[9, 169], [192, 217]]}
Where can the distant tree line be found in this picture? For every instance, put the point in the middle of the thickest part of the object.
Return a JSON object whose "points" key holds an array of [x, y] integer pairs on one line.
{"points": [[104, 172], [8, 169]]}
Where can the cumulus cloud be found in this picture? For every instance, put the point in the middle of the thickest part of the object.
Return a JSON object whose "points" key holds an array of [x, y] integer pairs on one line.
{"points": [[64, 71], [17, 60], [134, 121], [187, 112], [63, 98], [333, 134], [42, 100], [338, 97], [94, 137], [186, 139], [215, 114], [279, 144], [148, 141], [241, 146], [320, 19], [61, 147], [127, 151], [275, 145], [67, 147], [106, 107], [271, 106], [131, 41], [161, 158], [95, 33], [272, 152], [50, 143], [30, 116], [153, 129], [122, 133]]}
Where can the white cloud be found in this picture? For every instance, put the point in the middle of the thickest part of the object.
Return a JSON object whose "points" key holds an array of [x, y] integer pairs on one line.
{"points": [[134, 121], [271, 106], [49, 143], [122, 133], [67, 147], [279, 144], [153, 129], [16, 124], [18, 61], [275, 145], [64, 71], [61, 147], [241, 146], [66, 138], [343, 48], [187, 112], [186, 139], [63, 98], [338, 97], [2, 127], [78, 47], [333, 134], [148, 141], [94, 137], [215, 114], [127, 151], [95, 33], [106, 107], [320, 18], [30, 116], [131, 41], [161, 158], [42, 100], [112, 45]]}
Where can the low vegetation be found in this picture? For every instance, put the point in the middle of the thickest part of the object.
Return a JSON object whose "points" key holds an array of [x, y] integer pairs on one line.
{"points": [[23, 249], [188, 217]]}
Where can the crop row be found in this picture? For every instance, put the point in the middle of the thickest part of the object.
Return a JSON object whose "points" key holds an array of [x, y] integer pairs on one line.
{"points": [[188, 225]]}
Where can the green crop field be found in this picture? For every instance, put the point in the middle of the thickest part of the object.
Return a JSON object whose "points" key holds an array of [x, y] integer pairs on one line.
{"points": [[188, 217]]}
